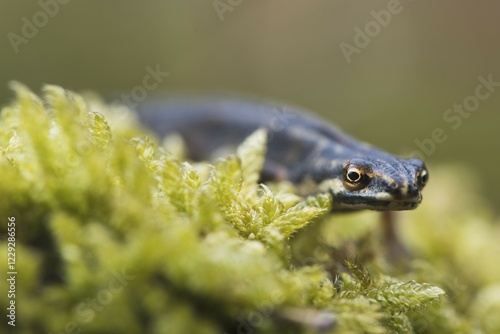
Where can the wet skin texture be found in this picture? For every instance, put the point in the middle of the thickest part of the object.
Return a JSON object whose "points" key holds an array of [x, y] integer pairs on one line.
{"points": [[311, 153]]}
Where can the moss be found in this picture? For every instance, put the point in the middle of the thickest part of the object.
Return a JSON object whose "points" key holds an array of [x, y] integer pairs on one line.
{"points": [[114, 233]]}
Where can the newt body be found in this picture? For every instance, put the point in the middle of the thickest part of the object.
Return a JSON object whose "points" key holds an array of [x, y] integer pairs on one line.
{"points": [[309, 152]]}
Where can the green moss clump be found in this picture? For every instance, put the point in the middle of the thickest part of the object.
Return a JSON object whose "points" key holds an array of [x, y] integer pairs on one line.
{"points": [[116, 234]]}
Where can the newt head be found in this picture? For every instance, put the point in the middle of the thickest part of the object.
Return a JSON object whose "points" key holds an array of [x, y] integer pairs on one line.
{"points": [[375, 183]]}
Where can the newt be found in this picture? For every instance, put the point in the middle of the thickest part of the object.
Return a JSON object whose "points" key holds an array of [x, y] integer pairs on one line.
{"points": [[311, 153]]}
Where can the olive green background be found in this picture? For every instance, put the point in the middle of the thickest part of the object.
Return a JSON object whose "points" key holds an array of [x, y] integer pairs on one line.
{"points": [[395, 91]]}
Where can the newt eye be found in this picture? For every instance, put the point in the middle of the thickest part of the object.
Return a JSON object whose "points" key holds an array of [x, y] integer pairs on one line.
{"points": [[355, 178], [353, 175], [422, 178]]}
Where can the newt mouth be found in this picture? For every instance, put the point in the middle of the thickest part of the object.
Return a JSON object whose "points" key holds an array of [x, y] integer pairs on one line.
{"points": [[377, 205], [403, 204]]}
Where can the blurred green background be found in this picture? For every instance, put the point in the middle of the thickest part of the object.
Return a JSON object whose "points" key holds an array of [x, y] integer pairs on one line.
{"points": [[393, 91]]}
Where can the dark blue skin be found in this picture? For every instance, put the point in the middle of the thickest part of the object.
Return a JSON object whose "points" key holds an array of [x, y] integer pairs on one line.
{"points": [[312, 154]]}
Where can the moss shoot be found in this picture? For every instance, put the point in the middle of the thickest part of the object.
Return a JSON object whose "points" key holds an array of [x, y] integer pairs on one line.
{"points": [[116, 233]]}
